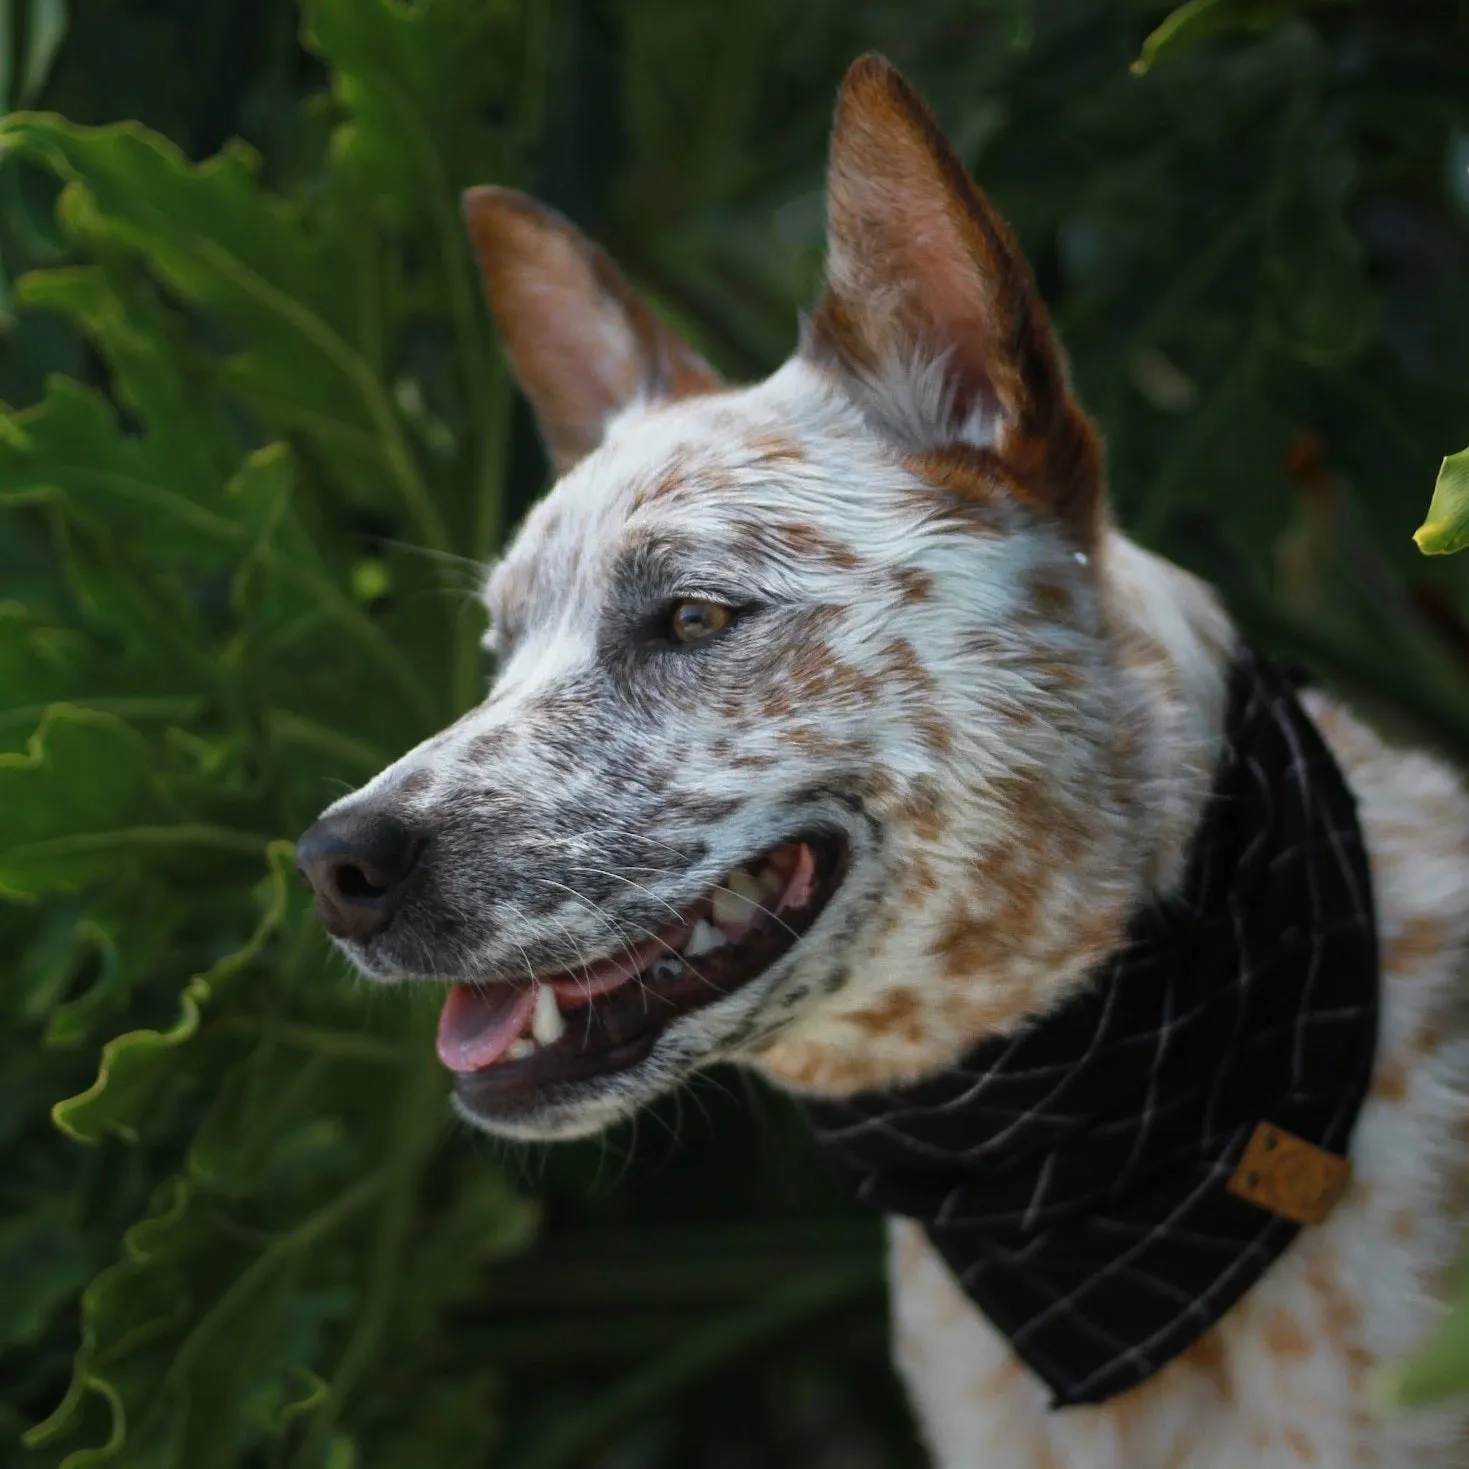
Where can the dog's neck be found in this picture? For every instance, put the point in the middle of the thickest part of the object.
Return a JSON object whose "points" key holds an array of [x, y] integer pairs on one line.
{"points": [[924, 1001], [1175, 642]]}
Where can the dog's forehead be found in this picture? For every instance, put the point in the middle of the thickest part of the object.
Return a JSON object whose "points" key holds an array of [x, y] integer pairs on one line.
{"points": [[695, 468]]}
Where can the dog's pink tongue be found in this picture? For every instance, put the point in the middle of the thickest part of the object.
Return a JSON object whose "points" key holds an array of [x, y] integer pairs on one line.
{"points": [[477, 1026]]}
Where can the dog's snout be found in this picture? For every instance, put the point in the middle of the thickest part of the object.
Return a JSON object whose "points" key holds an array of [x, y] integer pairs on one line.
{"points": [[357, 865]]}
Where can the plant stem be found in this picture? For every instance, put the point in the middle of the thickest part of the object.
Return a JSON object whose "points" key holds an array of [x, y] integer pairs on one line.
{"points": [[331, 1216], [419, 1114]]}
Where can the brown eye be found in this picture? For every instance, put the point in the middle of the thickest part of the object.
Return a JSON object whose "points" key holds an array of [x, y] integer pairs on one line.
{"points": [[692, 620]]}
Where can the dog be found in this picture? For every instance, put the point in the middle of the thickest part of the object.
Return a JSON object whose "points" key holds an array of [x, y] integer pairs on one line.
{"points": [[837, 731]]}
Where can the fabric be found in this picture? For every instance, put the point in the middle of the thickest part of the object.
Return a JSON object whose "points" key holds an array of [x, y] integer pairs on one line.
{"points": [[1074, 1175]]}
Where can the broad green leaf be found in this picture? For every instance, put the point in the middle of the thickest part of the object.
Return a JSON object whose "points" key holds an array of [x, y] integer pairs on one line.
{"points": [[238, 1317], [1447, 527], [214, 236], [135, 1065], [39, 664], [84, 801], [121, 950], [153, 369], [185, 1340], [411, 81], [69, 449]]}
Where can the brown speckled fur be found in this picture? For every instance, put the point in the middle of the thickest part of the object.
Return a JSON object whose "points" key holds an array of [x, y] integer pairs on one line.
{"points": [[1010, 711]]}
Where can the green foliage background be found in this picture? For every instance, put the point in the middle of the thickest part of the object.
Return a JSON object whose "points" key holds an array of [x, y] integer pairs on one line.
{"points": [[258, 433]]}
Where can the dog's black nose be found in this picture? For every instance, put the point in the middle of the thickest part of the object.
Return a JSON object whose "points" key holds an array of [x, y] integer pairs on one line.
{"points": [[357, 864]]}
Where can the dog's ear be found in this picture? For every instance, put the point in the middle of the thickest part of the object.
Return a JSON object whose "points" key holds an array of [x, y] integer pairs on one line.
{"points": [[931, 314], [582, 343]]}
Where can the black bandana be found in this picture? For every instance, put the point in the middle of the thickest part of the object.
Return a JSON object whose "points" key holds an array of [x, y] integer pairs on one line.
{"points": [[1077, 1176]]}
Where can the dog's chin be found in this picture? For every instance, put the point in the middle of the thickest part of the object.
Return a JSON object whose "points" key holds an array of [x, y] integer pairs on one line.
{"points": [[617, 1050]]}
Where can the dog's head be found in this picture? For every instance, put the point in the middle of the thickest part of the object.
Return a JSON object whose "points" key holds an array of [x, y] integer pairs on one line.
{"points": [[818, 738]]}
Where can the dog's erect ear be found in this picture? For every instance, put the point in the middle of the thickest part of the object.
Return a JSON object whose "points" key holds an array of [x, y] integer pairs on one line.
{"points": [[581, 342], [930, 310]]}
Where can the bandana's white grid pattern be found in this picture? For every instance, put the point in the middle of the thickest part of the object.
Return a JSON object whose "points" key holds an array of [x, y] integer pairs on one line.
{"points": [[1073, 1174]]}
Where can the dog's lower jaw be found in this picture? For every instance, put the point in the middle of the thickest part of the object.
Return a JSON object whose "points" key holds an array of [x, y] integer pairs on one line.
{"points": [[730, 1028], [580, 1109], [551, 1121]]}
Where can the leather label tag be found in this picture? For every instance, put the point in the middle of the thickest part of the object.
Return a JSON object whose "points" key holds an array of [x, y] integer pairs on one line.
{"points": [[1289, 1176]]}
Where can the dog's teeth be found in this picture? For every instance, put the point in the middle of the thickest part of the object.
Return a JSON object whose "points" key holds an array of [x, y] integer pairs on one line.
{"points": [[745, 883], [772, 882], [547, 1025], [704, 940], [738, 899], [667, 968], [520, 1049]]}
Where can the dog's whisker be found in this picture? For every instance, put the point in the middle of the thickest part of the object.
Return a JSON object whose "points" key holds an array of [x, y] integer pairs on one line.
{"points": [[614, 924]]}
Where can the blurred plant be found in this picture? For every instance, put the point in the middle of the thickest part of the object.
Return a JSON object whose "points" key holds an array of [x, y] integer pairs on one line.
{"points": [[262, 438]]}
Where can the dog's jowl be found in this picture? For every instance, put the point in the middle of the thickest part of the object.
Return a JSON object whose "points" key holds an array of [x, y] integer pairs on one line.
{"points": [[838, 731]]}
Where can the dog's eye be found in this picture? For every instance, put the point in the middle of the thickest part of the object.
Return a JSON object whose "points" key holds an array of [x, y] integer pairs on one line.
{"points": [[691, 620]]}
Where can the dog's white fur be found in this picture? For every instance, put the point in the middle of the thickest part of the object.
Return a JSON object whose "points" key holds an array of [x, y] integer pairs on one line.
{"points": [[1010, 710]]}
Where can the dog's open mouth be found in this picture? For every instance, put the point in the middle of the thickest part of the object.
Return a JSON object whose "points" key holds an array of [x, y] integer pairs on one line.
{"points": [[509, 1039]]}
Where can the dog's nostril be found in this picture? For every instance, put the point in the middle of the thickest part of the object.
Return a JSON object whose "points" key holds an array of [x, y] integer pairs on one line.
{"points": [[353, 882], [357, 863]]}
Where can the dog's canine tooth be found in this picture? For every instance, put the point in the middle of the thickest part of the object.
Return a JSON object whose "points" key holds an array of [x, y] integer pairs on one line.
{"points": [[736, 901], [669, 967], [548, 1025], [520, 1049], [704, 939]]}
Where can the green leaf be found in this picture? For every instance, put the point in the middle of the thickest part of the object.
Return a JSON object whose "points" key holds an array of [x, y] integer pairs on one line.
{"points": [[1198, 20], [134, 1066], [39, 664], [1447, 527], [189, 1330], [411, 81], [218, 240], [84, 799], [154, 370]]}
